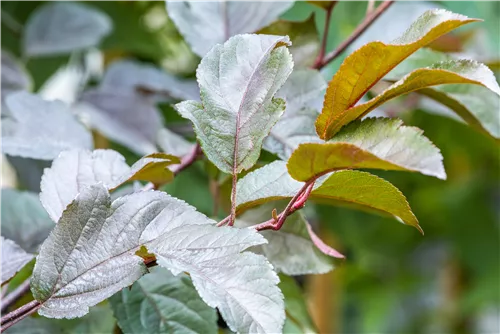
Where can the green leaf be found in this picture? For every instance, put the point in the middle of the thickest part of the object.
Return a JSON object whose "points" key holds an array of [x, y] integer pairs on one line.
{"points": [[91, 253], [298, 319], [205, 24], [290, 250], [59, 28], [24, 220], [303, 88], [474, 104], [74, 170], [368, 191], [162, 303], [378, 143], [39, 129], [14, 258], [449, 72], [129, 119], [237, 82], [243, 286], [370, 63], [269, 183], [14, 76], [359, 189]]}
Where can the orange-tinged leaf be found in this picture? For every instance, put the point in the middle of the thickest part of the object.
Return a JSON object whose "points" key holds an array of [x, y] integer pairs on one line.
{"points": [[370, 63]]}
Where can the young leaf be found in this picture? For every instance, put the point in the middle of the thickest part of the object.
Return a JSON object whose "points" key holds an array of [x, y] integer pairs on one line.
{"points": [[290, 250], [14, 258], [58, 28], [14, 77], [474, 104], [298, 319], [242, 286], [74, 170], [378, 143], [162, 303], [41, 129], [90, 254], [171, 143], [237, 82], [205, 24], [129, 119], [370, 63], [24, 219], [128, 75], [449, 72]]}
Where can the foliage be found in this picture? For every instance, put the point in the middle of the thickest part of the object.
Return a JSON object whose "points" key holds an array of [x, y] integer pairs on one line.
{"points": [[266, 138]]}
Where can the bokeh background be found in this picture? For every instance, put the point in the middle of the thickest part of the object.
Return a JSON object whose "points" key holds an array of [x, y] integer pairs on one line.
{"points": [[394, 280]]}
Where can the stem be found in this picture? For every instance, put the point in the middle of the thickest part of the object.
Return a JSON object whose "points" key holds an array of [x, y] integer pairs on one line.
{"points": [[369, 19], [232, 216], [15, 295], [188, 159], [19, 314], [322, 50]]}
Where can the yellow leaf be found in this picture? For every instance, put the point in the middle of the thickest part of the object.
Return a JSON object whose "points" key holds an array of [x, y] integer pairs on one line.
{"points": [[370, 63]]}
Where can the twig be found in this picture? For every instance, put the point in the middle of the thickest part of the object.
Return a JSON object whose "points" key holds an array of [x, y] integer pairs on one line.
{"points": [[15, 295], [322, 50], [19, 314], [232, 216], [188, 159], [355, 34], [295, 204]]}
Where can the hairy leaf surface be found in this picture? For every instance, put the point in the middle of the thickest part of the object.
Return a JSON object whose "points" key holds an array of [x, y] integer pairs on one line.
{"points": [[205, 24], [90, 254], [290, 250], [74, 170], [238, 81], [370, 63], [14, 258], [64, 27], [378, 143], [449, 72], [24, 220], [162, 303], [41, 129]]}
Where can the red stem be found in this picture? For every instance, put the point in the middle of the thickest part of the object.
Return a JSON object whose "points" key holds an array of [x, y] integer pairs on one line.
{"points": [[322, 50], [14, 296], [369, 19], [187, 160], [19, 314]]}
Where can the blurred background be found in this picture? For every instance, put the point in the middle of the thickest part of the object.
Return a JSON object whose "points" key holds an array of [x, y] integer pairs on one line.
{"points": [[394, 280]]}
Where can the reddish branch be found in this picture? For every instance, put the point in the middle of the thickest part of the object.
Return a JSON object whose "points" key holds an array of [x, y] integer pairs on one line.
{"points": [[188, 159], [15, 295], [19, 314], [322, 50], [368, 21]]}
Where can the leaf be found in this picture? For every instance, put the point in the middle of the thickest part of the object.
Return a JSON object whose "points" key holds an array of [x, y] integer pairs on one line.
{"points": [[378, 143], [290, 250], [449, 72], [298, 319], [370, 63], [129, 119], [272, 182], [205, 24], [128, 75], [366, 190], [302, 89], [242, 286], [14, 258], [29, 172], [172, 143], [14, 76], [90, 254], [474, 104], [40, 129], [74, 170], [269, 183], [237, 83], [24, 220], [162, 303], [59, 28]]}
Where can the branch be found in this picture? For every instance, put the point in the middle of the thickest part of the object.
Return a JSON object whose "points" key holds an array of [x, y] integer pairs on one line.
{"points": [[369, 19], [322, 50], [188, 159], [19, 314], [15, 295]]}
